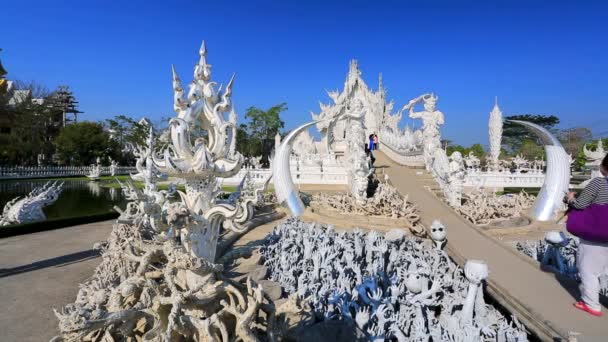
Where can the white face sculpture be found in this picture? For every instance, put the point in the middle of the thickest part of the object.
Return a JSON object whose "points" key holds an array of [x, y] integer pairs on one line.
{"points": [[438, 232], [414, 282]]}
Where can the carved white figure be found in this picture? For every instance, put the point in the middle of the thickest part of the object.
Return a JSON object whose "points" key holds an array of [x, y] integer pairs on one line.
{"points": [[471, 161], [29, 208], [495, 133], [476, 271], [356, 161], [438, 234], [521, 163], [431, 120], [594, 158], [95, 172], [113, 167]]}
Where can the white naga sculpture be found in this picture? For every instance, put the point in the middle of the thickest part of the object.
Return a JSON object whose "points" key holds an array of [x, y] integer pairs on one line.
{"points": [[495, 134], [95, 172], [29, 208], [158, 279], [431, 120]]}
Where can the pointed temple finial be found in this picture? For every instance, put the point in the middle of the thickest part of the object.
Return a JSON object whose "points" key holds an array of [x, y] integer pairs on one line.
{"points": [[203, 50]]}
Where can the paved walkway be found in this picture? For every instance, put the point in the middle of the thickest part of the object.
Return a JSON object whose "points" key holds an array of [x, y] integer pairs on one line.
{"points": [[518, 284], [42, 271]]}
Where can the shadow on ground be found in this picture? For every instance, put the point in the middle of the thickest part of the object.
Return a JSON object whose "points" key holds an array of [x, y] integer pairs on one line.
{"points": [[59, 261]]}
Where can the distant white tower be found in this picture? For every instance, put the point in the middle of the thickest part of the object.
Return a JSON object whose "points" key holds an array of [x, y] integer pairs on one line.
{"points": [[495, 132]]}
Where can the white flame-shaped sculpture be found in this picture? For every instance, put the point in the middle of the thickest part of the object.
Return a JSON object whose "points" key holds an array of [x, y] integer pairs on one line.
{"points": [[495, 133], [206, 160], [29, 208]]}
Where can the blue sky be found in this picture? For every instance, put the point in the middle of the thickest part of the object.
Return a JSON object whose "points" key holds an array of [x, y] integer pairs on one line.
{"points": [[542, 57]]}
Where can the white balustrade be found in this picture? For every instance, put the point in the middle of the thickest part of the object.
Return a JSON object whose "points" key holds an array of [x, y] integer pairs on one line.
{"points": [[20, 172]]}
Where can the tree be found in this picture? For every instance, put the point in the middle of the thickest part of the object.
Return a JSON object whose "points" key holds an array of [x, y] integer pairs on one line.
{"points": [[573, 140], [477, 150], [81, 143], [514, 134], [531, 149], [29, 122], [257, 138], [126, 131]]}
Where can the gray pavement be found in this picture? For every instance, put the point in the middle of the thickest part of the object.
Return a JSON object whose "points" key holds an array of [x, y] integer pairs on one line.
{"points": [[42, 271]]}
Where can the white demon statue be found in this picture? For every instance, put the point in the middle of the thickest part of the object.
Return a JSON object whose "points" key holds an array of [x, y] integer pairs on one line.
{"points": [[431, 120]]}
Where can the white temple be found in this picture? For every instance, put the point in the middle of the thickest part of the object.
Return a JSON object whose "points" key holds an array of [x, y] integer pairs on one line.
{"points": [[377, 110]]}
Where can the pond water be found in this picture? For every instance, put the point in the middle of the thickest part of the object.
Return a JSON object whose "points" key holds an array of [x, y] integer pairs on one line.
{"points": [[78, 198]]}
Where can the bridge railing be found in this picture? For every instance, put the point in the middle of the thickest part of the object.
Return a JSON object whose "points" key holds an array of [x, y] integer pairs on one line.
{"points": [[22, 172]]}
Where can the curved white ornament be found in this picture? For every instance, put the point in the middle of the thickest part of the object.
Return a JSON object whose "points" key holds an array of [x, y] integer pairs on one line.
{"points": [[284, 188], [557, 180]]}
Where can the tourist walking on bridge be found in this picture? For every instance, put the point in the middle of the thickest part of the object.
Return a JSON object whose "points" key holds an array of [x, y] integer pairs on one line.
{"points": [[591, 209]]}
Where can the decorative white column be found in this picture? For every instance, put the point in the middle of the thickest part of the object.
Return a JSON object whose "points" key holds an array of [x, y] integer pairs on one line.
{"points": [[495, 134]]}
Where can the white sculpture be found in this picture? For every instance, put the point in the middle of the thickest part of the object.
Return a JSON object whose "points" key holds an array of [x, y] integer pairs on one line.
{"points": [[386, 202], [471, 161], [476, 271], [549, 201], [284, 188], [438, 234], [304, 145], [387, 287], [357, 165], [158, 279], [113, 167], [256, 162], [29, 208], [334, 132], [95, 172], [201, 163], [482, 207], [495, 134], [594, 158], [431, 120]]}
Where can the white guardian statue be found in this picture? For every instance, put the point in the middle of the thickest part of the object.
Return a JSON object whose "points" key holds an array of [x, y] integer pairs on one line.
{"points": [[431, 120]]}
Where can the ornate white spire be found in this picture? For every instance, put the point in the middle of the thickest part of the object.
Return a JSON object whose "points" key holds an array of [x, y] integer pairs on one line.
{"points": [[495, 133]]}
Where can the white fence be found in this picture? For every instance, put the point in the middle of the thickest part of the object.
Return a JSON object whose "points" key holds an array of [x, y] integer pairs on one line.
{"points": [[489, 179], [301, 175], [19, 172], [408, 159]]}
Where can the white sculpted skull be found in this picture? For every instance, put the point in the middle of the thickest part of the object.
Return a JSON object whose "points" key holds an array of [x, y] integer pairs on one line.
{"points": [[414, 283], [438, 232]]}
